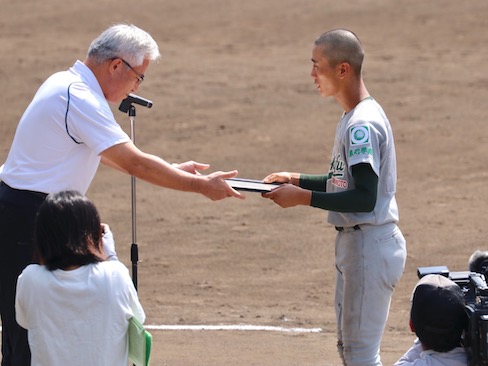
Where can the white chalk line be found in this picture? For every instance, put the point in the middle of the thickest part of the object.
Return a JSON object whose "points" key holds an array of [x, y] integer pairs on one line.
{"points": [[243, 327]]}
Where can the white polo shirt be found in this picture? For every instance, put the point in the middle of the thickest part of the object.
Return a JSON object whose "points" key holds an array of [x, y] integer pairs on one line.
{"points": [[61, 134]]}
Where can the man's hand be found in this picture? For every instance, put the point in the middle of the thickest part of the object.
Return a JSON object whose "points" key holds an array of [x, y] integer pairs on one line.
{"points": [[191, 166], [216, 188], [183, 177]]}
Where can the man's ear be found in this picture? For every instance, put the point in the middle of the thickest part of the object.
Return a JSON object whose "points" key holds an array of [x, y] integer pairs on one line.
{"points": [[411, 326], [344, 68], [114, 65]]}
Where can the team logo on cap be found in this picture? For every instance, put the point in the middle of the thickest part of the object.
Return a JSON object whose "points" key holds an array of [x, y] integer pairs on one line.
{"points": [[359, 135]]}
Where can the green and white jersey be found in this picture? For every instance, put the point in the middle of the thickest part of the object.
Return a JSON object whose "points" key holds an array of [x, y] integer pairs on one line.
{"points": [[364, 135]]}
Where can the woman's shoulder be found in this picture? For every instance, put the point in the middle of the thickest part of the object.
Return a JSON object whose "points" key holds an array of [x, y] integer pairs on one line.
{"points": [[34, 269], [33, 273], [112, 267]]}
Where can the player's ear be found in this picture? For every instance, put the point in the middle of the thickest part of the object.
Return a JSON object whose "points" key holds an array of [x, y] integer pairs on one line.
{"points": [[343, 69]]}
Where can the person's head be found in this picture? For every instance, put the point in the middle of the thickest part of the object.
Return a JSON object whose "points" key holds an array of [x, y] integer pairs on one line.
{"points": [[478, 262], [336, 55], [119, 57], [438, 315], [68, 231]]}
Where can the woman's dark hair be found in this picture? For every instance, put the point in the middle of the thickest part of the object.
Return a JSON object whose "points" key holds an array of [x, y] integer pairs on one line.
{"points": [[68, 231]]}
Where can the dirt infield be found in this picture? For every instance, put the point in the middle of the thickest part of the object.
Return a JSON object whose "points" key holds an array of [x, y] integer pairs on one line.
{"points": [[233, 90]]}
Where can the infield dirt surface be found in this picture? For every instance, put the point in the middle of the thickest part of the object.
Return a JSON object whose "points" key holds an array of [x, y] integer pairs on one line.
{"points": [[233, 89]]}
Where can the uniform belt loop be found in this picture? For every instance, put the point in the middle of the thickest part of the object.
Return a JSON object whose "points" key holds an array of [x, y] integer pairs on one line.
{"points": [[341, 228]]}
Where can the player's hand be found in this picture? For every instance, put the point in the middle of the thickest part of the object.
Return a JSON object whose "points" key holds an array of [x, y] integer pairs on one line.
{"points": [[288, 195], [216, 188], [279, 177], [191, 167]]}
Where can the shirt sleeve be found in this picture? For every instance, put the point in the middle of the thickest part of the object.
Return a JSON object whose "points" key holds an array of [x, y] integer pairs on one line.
{"points": [[109, 246], [136, 306], [20, 314], [411, 355], [363, 145], [133, 299], [90, 121]]}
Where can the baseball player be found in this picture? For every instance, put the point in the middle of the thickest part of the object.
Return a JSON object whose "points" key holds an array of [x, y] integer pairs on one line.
{"points": [[359, 193]]}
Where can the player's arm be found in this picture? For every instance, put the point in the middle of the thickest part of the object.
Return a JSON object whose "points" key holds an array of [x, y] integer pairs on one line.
{"points": [[313, 182], [360, 199], [310, 182]]}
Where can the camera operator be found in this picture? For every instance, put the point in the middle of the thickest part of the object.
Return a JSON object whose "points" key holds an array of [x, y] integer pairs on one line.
{"points": [[438, 318], [478, 262]]}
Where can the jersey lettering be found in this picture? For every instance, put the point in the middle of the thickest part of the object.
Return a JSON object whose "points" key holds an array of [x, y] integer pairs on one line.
{"points": [[361, 151], [336, 171], [341, 183], [337, 166]]}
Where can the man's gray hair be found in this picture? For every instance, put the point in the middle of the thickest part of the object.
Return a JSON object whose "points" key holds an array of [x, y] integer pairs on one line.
{"points": [[125, 41]]}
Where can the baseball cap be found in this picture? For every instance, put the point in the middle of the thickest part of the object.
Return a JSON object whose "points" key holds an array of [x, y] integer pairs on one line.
{"points": [[438, 312]]}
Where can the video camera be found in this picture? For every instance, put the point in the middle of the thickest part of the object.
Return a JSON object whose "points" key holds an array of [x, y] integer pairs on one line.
{"points": [[475, 291]]}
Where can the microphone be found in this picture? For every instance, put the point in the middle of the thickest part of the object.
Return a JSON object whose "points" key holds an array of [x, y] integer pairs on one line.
{"points": [[132, 98]]}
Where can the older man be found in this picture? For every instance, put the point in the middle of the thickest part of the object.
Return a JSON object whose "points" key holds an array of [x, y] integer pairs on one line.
{"points": [[65, 132]]}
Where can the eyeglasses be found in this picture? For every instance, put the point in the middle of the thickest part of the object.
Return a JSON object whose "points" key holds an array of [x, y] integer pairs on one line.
{"points": [[140, 77]]}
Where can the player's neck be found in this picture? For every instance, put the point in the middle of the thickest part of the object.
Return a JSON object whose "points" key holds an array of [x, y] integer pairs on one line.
{"points": [[358, 102], [352, 95]]}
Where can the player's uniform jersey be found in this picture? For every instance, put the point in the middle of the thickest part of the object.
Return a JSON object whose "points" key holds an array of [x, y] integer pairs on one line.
{"points": [[364, 136]]}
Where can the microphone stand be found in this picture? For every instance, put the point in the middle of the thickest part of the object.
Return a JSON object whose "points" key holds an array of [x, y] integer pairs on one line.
{"points": [[126, 106], [134, 250]]}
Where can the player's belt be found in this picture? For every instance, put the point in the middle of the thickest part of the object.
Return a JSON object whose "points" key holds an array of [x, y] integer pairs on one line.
{"points": [[353, 228]]}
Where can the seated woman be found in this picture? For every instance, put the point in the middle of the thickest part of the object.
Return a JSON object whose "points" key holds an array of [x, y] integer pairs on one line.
{"points": [[76, 304]]}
